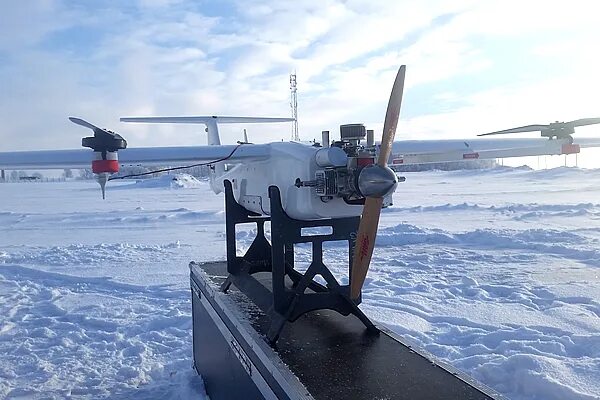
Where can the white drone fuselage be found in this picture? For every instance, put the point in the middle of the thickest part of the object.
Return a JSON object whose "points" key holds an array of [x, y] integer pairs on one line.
{"points": [[286, 163]]}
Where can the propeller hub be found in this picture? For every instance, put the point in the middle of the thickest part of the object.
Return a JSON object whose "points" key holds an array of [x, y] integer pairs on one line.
{"points": [[377, 181]]}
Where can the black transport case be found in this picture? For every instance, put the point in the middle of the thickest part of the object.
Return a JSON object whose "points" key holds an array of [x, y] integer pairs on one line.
{"points": [[322, 355]]}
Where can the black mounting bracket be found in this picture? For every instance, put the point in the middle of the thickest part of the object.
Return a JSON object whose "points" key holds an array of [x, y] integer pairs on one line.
{"points": [[292, 293]]}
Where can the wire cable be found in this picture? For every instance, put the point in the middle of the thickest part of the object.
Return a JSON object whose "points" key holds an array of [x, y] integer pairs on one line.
{"points": [[180, 167]]}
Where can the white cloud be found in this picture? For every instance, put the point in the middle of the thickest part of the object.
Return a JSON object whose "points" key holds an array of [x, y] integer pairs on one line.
{"points": [[165, 57], [24, 24]]}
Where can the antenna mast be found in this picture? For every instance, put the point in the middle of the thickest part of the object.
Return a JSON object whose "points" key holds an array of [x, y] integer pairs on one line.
{"points": [[294, 106]]}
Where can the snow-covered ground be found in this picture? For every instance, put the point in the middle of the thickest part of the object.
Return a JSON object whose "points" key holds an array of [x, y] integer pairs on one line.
{"points": [[496, 272]]}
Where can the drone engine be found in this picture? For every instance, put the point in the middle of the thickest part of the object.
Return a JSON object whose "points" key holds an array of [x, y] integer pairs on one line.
{"points": [[347, 169]]}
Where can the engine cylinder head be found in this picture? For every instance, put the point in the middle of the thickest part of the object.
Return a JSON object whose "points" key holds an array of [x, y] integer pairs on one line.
{"points": [[325, 139], [370, 137], [331, 157]]}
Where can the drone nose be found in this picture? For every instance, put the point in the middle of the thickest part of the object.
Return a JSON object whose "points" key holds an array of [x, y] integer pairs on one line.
{"points": [[377, 181]]}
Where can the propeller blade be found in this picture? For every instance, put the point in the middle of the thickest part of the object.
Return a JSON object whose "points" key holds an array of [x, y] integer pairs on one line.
{"points": [[367, 229], [365, 243], [585, 121], [526, 128], [82, 122], [391, 117]]}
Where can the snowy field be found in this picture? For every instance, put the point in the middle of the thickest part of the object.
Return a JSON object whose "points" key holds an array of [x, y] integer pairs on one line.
{"points": [[496, 272]]}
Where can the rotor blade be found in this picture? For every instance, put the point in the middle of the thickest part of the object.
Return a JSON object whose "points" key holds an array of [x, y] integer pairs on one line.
{"points": [[82, 122], [204, 120], [391, 117], [365, 242], [526, 128], [585, 121]]}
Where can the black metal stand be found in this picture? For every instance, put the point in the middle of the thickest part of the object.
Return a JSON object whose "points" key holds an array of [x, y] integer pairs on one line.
{"points": [[288, 300]]}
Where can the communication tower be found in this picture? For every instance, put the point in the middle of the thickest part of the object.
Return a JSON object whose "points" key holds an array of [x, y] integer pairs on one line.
{"points": [[294, 106]]}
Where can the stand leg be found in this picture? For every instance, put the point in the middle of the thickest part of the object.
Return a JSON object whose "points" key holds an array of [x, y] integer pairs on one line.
{"points": [[257, 257]]}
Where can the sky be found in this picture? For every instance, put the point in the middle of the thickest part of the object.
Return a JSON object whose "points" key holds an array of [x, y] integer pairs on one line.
{"points": [[472, 66]]}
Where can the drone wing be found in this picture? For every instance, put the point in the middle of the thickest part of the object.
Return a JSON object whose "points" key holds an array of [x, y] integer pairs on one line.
{"points": [[106, 144], [588, 142], [82, 158], [440, 151]]}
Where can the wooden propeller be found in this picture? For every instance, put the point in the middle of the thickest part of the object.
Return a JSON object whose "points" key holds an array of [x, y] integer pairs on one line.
{"points": [[367, 230]]}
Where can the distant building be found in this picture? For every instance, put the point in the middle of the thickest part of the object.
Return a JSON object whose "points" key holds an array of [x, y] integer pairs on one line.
{"points": [[446, 166]]}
